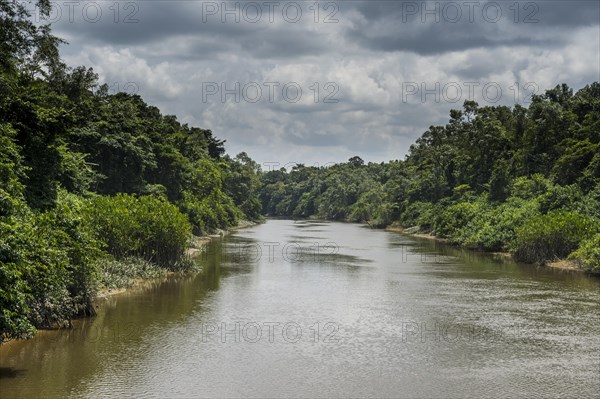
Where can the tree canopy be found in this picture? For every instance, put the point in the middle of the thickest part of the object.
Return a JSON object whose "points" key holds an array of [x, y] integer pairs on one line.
{"points": [[98, 188]]}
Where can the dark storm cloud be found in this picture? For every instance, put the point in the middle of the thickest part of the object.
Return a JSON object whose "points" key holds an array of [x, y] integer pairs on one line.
{"points": [[544, 12], [429, 28], [156, 21], [568, 13], [200, 48], [284, 45], [268, 44], [384, 26], [438, 39], [145, 23], [370, 53]]}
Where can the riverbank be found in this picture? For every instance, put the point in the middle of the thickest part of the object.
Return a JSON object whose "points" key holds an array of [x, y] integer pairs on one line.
{"points": [[348, 304], [197, 243], [563, 264], [158, 274], [197, 246]]}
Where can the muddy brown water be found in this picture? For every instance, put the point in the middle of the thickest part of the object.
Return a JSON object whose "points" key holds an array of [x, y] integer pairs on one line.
{"points": [[314, 309]]}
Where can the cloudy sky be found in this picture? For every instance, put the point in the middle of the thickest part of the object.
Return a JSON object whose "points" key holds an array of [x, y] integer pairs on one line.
{"points": [[318, 82]]}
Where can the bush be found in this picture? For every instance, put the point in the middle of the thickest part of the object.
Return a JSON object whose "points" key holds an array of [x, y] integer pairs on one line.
{"points": [[209, 214], [528, 188], [590, 204], [47, 274], [147, 227], [14, 290], [383, 215], [372, 207], [588, 255], [202, 217], [11, 172], [552, 236], [454, 218], [68, 231], [560, 197], [51, 263], [494, 228], [419, 214]]}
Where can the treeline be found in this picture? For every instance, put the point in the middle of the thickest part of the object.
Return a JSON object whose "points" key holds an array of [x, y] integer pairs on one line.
{"points": [[95, 189], [525, 180]]}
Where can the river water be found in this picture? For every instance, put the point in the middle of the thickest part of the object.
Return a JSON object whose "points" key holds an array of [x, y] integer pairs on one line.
{"points": [[314, 309]]}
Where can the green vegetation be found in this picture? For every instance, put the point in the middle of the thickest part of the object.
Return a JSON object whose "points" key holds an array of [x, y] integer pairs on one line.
{"points": [[552, 236], [146, 227], [99, 189], [588, 254], [95, 189], [525, 180]]}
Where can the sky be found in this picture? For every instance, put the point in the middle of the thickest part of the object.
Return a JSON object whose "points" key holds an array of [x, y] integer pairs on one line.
{"points": [[319, 82]]}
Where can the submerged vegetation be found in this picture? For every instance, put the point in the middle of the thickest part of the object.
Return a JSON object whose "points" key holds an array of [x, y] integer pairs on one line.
{"points": [[97, 189]]}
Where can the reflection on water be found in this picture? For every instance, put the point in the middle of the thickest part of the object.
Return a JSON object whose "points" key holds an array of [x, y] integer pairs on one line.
{"points": [[328, 310]]}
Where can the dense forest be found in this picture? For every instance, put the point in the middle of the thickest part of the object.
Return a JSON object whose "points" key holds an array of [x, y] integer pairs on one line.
{"points": [[524, 180], [99, 188], [95, 189]]}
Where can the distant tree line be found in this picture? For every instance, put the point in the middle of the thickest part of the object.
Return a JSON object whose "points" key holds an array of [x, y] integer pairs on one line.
{"points": [[99, 189], [525, 180]]}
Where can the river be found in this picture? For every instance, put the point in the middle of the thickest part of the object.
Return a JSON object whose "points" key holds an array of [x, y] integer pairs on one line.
{"points": [[315, 309]]}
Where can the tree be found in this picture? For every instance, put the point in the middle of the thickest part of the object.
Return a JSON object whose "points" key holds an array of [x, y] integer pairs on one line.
{"points": [[23, 45], [500, 181], [356, 161]]}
